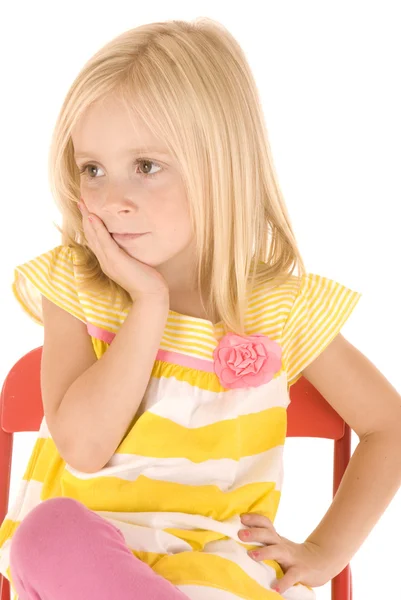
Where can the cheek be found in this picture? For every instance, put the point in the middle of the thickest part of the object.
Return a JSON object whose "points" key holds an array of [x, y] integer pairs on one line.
{"points": [[90, 198], [172, 215], [176, 231]]}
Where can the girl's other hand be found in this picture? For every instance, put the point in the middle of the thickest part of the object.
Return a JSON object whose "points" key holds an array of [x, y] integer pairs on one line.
{"points": [[135, 277], [304, 563]]}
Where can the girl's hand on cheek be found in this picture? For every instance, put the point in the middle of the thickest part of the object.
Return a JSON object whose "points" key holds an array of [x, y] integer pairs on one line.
{"points": [[131, 274]]}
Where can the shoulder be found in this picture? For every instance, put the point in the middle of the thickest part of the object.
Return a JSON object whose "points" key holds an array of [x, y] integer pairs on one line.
{"points": [[302, 313], [59, 274], [273, 300], [49, 274], [307, 290]]}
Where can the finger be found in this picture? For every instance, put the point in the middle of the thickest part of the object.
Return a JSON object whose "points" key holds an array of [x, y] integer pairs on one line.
{"points": [[259, 534], [271, 552], [90, 233], [97, 224], [86, 214], [255, 520], [290, 578], [82, 207], [106, 248], [98, 237]]}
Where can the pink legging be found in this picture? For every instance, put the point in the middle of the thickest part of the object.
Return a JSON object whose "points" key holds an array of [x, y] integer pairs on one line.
{"points": [[64, 551]]}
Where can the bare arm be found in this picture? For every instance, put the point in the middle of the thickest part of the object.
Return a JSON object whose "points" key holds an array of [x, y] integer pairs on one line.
{"points": [[89, 420]]}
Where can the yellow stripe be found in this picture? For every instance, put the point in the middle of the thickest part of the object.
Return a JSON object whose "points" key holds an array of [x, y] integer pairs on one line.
{"points": [[246, 435], [8, 571], [195, 537], [199, 538], [202, 380], [172, 337], [7, 530], [151, 558], [197, 568], [148, 495], [176, 441], [47, 467], [99, 347], [35, 456]]}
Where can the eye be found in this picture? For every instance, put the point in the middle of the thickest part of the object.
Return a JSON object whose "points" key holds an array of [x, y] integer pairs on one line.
{"points": [[89, 168], [147, 163]]}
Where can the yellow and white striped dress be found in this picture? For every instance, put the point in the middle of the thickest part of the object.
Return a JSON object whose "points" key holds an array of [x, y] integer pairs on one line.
{"points": [[197, 454]]}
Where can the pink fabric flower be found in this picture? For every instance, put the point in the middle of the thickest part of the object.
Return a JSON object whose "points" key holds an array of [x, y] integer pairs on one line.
{"points": [[246, 361]]}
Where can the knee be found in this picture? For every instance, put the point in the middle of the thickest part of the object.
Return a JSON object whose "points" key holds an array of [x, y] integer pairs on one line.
{"points": [[40, 532]]}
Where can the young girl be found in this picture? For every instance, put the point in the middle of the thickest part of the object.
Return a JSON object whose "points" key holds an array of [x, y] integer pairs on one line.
{"points": [[174, 325]]}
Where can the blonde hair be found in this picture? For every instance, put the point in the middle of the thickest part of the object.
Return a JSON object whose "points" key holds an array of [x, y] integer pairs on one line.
{"points": [[191, 84]]}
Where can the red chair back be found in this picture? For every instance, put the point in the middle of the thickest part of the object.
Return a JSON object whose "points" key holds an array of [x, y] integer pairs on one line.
{"points": [[309, 415]]}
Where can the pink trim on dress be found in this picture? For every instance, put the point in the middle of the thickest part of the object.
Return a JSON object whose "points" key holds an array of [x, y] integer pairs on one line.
{"points": [[176, 358], [100, 334]]}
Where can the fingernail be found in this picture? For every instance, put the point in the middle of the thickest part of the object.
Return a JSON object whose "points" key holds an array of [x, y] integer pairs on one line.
{"points": [[245, 532], [90, 219], [276, 590], [255, 554]]}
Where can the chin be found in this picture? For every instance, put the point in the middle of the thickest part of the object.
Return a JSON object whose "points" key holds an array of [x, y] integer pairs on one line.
{"points": [[146, 260]]}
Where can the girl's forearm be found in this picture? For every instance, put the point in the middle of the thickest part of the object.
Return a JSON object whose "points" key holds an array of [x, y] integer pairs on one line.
{"points": [[370, 481], [99, 406]]}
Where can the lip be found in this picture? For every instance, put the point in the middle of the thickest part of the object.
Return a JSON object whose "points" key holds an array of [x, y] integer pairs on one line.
{"points": [[124, 237]]}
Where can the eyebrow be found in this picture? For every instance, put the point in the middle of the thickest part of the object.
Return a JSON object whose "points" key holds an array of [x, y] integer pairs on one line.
{"points": [[86, 154]]}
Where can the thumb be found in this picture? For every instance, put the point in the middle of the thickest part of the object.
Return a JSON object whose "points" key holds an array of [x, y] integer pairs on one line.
{"points": [[290, 578]]}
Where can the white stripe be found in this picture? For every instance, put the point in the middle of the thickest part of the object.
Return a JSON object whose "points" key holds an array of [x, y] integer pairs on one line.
{"points": [[30, 296], [204, 592], [175, 520], [5, 557], [28, 496], [192, 407], [44, 430], [92, 308], [262, 573], [227, 474], [193, 352], [104, 301], [148, 539], [272, 313], [203, 338], [181, 323], [102, 320]]}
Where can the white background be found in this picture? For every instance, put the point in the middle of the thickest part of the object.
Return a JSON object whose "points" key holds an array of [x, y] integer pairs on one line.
{"points": [[329, 77]]}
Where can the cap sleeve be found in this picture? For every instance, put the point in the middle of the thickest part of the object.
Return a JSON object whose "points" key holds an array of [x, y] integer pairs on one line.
{"points": [[52, 275], [320, 309]]}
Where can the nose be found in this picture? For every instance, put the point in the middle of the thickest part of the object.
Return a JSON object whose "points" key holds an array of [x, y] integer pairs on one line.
{"points": [[119, 200]]}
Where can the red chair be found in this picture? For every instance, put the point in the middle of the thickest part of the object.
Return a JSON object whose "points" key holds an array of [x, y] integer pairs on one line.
{"points": [[309, 415]]}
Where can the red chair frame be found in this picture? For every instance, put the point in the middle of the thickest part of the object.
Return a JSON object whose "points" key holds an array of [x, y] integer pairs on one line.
{"points": [[309, 415]]}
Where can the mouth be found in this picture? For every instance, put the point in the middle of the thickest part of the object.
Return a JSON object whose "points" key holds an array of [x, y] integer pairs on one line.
{"points": [[122, 237]]}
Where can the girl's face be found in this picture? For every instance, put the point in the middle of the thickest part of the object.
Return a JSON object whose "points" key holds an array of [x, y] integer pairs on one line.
{"points": [[130, 181]]}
